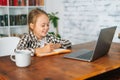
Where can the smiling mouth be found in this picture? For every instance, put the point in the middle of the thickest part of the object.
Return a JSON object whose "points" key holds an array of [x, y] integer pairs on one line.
{"points": [[44, 32]]}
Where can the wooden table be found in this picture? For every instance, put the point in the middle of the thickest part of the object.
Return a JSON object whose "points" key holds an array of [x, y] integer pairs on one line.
{"points": [[58, 68]]}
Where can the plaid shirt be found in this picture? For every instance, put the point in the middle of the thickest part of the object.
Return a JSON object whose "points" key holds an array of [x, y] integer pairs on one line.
{"points": [[30, 42]]}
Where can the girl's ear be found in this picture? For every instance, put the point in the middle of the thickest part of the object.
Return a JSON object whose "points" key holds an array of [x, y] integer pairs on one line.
{"points": [[31, 26]]}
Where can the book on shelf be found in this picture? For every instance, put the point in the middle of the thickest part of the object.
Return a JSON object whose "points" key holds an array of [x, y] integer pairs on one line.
{"points": [[32, 2], [22, 2], [12, 20], [4, 20], [3, 2], [11, 2], [18, 19], [41, 2], [54, 52], [17, 2], [0, 3], [36, 2]]}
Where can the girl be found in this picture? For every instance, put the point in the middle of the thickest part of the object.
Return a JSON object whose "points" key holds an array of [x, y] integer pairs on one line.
{"points": [[37, 40]]}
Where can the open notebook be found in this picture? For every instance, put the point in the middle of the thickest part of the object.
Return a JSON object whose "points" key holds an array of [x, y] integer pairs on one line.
{"points": [[55, 52]]}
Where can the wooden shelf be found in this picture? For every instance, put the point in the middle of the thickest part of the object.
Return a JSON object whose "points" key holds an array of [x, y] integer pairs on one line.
{"points": [[14, 12]]}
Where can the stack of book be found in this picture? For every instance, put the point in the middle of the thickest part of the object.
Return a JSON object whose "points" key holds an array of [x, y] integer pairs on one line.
{"points": [[17, 2], [18, 19], [3, 2]]}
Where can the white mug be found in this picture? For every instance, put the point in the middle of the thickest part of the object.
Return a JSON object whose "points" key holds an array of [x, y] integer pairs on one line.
{"points": [[22, 58]]}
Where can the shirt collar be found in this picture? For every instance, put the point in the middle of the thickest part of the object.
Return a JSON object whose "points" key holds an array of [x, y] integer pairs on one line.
{"points": [[32, 35]]}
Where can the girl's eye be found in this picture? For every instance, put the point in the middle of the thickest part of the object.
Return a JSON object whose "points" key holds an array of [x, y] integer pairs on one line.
{"points": [[47, 25], [43, 25]]}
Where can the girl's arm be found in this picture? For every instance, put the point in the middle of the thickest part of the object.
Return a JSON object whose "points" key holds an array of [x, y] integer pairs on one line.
{"points": [[62, 43], [24, 44]]}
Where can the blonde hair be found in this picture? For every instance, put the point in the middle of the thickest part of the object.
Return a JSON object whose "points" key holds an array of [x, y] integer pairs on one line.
{"points": [[33, 14]]}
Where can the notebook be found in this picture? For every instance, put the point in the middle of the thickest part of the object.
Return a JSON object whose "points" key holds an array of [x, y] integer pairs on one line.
{"points": [[54, 52], [102, 47]]}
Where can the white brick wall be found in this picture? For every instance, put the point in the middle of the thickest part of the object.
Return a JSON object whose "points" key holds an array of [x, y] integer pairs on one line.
{"points": [[81, 20]]}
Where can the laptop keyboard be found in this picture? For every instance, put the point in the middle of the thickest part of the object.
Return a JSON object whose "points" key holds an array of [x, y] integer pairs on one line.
{"points": [[87, 55]]}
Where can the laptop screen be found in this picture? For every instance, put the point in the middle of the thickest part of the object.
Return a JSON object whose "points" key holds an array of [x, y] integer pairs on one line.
{"points": [[104, 42]]}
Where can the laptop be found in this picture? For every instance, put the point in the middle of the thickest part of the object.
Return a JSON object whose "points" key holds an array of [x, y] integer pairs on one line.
{"points": [[102, 47]]}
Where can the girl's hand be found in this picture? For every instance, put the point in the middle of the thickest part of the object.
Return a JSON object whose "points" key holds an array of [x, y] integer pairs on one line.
{"points": [[46, 49], [57, 45], [49, 47]]}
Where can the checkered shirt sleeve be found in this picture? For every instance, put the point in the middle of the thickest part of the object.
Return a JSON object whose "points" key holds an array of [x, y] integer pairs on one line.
{"points": [[26, 44], [64, 43]]}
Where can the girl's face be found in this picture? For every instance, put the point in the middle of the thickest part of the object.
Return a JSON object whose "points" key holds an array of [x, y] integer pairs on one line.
{"points": [[41, 27]]}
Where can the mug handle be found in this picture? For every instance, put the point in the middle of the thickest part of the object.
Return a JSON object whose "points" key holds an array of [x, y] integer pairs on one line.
{"points": [[11, 57]]}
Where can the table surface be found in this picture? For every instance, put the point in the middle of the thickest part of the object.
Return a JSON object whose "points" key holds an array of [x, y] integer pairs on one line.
{"points": [[57, 67]]}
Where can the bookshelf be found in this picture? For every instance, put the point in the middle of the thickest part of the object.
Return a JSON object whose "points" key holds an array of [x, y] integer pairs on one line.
{"points": [[13, 16]]}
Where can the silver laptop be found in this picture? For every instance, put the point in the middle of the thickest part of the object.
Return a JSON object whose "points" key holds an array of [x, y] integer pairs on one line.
{"points": [[102, 47]]}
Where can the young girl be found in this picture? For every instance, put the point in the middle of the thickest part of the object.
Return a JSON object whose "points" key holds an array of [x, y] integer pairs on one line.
{"points": [[37, 40]]}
